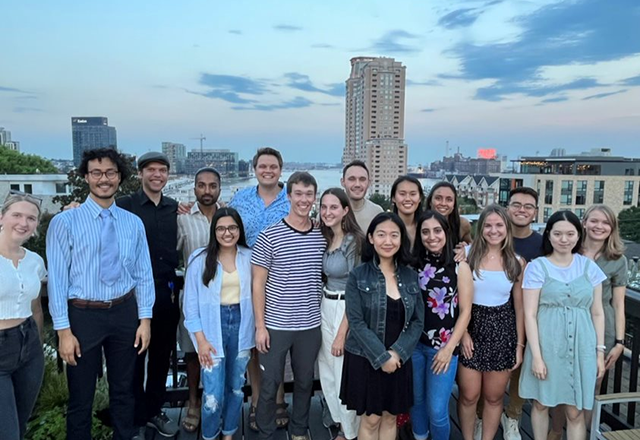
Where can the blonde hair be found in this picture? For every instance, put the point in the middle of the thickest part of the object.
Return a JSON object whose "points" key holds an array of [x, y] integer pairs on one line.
{"points": [[613, 247], [479, 248], [15, 198]]}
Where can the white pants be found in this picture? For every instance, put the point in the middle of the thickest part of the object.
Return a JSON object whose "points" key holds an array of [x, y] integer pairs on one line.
{"points": [[330, 367]]}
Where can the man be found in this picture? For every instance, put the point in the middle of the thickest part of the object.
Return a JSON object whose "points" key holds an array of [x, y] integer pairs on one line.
{"points": [[193, 233], [287, 285], [100, 295], [159, 217], [355, 181], [259, 207]]}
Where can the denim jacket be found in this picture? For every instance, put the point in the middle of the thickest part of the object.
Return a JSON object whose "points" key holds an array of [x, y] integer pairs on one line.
{"points": [[366, 309], [202, 303]]}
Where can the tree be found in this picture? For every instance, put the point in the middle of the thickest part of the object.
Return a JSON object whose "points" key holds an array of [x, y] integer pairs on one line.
{"points": [[14, 162], [80, 188], [630, 224], [467, 205], [382, 200]]}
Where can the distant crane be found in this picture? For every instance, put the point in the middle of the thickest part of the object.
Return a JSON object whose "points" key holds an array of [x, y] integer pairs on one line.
{"points": [[201, 138]]}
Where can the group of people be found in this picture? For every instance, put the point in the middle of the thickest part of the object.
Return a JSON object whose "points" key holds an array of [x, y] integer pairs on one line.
{"points": [[394, 306]]}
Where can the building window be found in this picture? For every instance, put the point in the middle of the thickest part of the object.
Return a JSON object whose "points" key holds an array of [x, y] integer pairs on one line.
{"points": [[566, 192], [548, 192], [28, 188], [598, 191], [581, 192], [580, 212], [546, 214], [627, 198], [61, 188], [15, 186]]}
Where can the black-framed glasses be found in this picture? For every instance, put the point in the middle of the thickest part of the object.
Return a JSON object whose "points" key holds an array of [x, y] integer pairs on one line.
{"points": [[233, 229], [97, 174], [527, 206], [30, 197]]}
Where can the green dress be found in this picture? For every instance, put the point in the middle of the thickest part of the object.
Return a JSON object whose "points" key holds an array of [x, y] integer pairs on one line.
{"points": [[617, 275], [568, 344]]}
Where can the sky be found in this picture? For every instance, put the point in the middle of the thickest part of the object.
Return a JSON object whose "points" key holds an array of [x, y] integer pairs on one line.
{"points": [[522, 77]]}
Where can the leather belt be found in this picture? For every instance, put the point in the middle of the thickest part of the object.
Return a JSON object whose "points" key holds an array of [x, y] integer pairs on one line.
{"points": [[86, 304], [333, 296]]}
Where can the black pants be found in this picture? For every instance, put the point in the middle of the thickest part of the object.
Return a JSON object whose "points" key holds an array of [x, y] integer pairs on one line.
{"points": [[113, 330], [303, 346], [164, 324]]}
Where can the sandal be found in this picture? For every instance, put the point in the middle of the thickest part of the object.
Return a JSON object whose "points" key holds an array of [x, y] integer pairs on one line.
{"points": [[253, 425], [191, 421], [282, 416]]}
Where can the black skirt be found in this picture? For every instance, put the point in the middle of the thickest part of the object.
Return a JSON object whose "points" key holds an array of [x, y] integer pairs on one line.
{"points": [[495, 338]]}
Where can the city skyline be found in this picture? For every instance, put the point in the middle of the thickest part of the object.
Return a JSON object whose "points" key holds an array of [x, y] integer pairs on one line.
{"points": [[517, 76]]}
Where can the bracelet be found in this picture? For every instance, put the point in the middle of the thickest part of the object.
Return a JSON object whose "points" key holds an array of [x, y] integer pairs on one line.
{"points": [[619, 341], [601, 348]]}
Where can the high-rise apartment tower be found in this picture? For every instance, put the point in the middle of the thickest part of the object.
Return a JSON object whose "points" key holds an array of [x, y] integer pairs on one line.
{"points": [[374, 128], [89, 133]]}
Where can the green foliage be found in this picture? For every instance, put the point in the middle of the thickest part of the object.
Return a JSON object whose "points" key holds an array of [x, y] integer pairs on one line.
{"points": [[14, 162], [630, 224], [37, 244], [80, 188], [382, 200], [467, 205]]}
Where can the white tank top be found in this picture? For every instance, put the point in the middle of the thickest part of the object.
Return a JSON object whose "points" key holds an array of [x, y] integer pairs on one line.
{"points": [[492, 289]]}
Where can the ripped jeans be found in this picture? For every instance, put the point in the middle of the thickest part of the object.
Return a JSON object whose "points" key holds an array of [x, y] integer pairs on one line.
{"points": [[222, 396]]}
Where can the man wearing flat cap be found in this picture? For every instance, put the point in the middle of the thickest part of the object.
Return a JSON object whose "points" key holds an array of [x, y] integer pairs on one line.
{"points": [[159, 217]]}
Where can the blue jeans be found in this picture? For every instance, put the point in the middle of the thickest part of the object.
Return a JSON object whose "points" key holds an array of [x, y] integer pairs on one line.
{"points": [[431, 394], [21, 370], [222, 395]]}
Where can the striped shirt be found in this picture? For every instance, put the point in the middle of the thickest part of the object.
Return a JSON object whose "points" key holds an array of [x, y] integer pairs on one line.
{"points": [[73, 253], [255, 216], [294, 284], [193, 232]]}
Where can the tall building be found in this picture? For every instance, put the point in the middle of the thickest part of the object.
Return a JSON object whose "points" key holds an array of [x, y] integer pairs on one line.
{"points": [[5, 140], [89, 133], [374, 126], [177, 154]]}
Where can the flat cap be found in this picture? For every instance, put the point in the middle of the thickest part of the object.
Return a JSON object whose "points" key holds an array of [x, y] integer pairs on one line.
{"points": [[152, 156]]}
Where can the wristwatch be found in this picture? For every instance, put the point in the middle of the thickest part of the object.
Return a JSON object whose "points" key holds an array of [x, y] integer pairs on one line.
{"points": [[619, 341]]}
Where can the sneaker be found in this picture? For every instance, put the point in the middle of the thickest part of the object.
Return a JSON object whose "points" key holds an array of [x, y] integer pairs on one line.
{"points": [[141, 434], [300, 437], [164, 425], [477, 430], [510, 428]]}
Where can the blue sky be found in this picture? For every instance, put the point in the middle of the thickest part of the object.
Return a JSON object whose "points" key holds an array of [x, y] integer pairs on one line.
{"points": [[518, 76]]}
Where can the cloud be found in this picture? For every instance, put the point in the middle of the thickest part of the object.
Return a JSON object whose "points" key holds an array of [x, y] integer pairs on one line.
{"points": [[429, 82], [229, 88], [604, 95], [428, 110], [235, 31], [501, 90], [633, 81], [322, 46], [287, 28], [297, 102], [302, 82], [552, 100], [570, 32], [12, 90], [460, 18], [394, 42]]}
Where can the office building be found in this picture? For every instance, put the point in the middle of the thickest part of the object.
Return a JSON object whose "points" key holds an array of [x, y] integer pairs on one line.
{"points": [[5, 140], [177, 154], [374, 119], [224, 161], [89, 133]]}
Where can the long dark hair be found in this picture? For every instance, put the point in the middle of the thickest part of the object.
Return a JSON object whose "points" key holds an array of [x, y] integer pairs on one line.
{"points": [[416, 182], [349, 223], [212, 249], [420, 251], [454, 217], [403, 256], [558, 216]]}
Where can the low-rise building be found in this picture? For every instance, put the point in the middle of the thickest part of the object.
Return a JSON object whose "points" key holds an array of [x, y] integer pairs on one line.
{"points": [[42, 186]]}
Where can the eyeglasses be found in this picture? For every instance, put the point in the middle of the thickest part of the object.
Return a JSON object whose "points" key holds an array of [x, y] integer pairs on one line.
{"points": [[233, 229], [27, 196], [527, 206], [97, 174]]}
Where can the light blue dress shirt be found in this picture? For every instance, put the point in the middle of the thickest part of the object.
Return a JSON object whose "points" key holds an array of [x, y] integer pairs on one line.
{"points": [[73, 254], [202, 303], [255, 216]]}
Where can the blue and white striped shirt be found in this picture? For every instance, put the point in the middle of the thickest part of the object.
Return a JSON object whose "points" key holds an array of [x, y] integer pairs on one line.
{"points": [[73, 253]]}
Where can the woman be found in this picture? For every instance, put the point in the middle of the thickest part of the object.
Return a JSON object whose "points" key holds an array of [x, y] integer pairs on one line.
{"points": [[407, 196], [564, 319], [447, 291], [443, 198], [493, 345], [344, 243], [21, 276], [385, 316], [219, 316]]}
